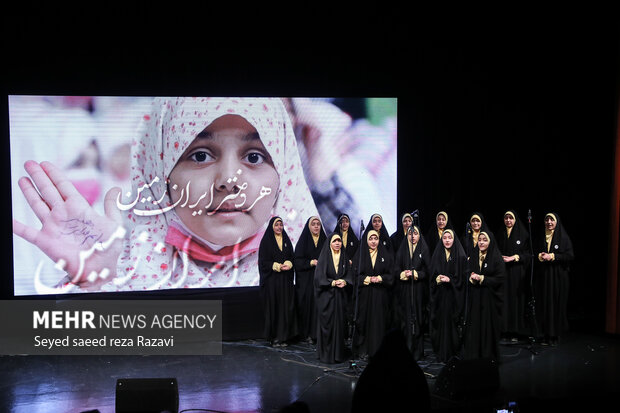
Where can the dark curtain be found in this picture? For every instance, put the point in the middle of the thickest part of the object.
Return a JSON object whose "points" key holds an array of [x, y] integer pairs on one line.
{"points": [[612, 324]]}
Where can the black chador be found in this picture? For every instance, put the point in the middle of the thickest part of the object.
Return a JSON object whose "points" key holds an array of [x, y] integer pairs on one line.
{"points": [[350, 242], [376, 223], [514, 243], [470, 237], [373, 265], [331, 278], [399, 235], [410, 290], [555, 253], [484, 299], [275, 266], [396, 239], [447, 280], [434, 233], [307, 253]]}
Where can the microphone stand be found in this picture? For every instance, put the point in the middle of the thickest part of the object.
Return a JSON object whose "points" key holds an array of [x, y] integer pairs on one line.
{"points": [[532, 302], [411, 320], [356, 296], [412, 312], [344, 248], [468, 231]]}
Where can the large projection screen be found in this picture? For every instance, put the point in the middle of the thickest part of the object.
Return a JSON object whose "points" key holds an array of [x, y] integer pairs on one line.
{"points": [[173, 159]]}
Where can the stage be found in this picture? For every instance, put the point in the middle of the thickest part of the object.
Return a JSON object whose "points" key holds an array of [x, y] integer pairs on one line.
{"points": [[582, 371]]}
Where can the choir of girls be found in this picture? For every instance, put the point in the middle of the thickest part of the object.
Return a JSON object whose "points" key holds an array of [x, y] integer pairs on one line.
{"points": [[466, 293]]}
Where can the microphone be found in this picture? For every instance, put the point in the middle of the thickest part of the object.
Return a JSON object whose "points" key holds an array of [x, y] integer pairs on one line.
{"points": [[416, 217]]}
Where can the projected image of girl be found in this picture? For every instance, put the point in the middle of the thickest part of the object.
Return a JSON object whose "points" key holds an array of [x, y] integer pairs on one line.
{"points": [[207, 175]]}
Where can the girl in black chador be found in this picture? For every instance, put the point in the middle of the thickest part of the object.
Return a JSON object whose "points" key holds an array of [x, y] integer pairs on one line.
{"points": [[373, 265], [410, 289], [475, 225], [350, 242], [275, 266], [399, 235], [448, 275], [331, 277], [514, 243], [376, 223], [442, 223], [484, 299], [555, 253], [307, 253]]}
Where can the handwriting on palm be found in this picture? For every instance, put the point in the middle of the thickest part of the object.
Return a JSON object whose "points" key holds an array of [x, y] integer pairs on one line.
{"points": [[69, 224]]}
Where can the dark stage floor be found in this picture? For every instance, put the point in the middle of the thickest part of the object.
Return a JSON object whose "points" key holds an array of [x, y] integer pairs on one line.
{"points": [[582, 370]]}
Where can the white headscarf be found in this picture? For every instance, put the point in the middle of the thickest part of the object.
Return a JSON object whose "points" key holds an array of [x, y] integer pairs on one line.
{"points": [[147, 262]]}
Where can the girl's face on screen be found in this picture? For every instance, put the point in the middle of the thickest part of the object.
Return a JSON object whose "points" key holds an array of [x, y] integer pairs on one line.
{"points": [[232, 182]]}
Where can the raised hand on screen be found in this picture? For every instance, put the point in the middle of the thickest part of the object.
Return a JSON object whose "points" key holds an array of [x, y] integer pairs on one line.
{"points": [[72, 232]]}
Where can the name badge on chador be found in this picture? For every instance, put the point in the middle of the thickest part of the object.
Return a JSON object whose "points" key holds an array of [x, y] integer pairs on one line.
{"points": [[518, 242], [485, 265], [384, 243], [351, 243], [556, 246], [382, 260]]}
